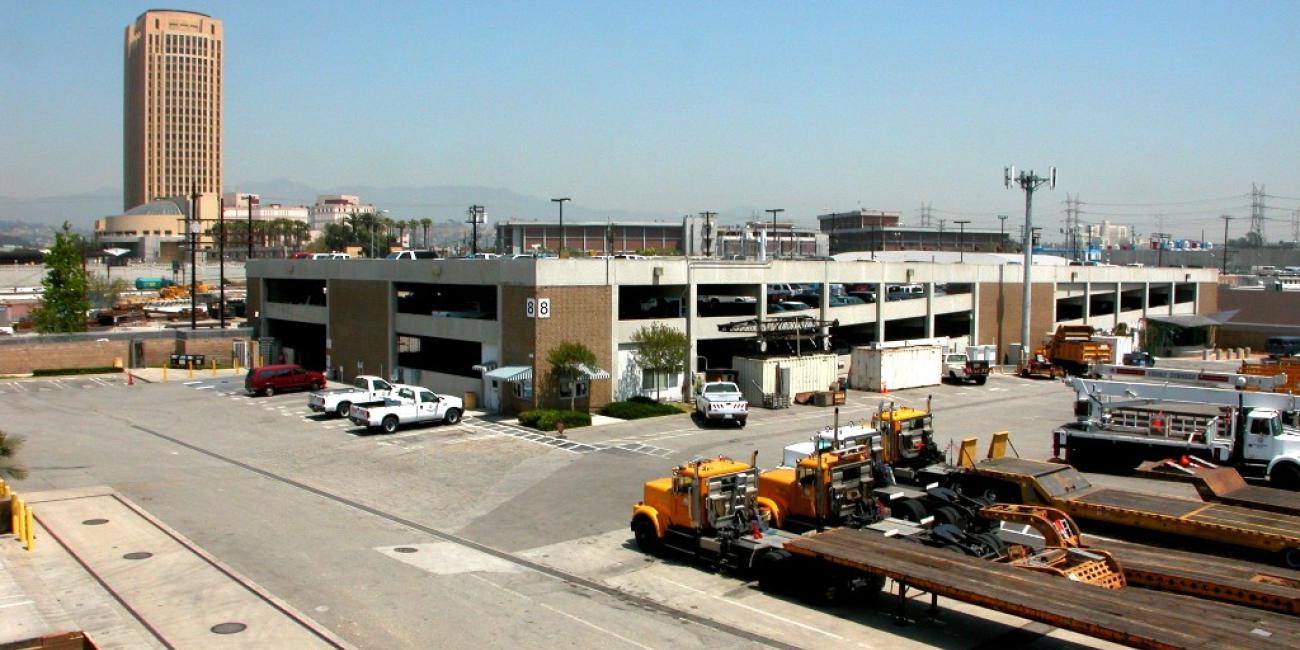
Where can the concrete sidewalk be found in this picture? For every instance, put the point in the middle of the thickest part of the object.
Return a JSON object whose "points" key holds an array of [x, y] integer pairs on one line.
{"points": [[105, 566]]}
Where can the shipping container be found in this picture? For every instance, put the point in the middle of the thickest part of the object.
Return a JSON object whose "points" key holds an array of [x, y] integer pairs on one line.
{"points": [[896, 367], [810, 372]]}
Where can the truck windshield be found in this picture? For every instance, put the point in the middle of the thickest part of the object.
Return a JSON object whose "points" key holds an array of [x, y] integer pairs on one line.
{"points": [[720, 389]]}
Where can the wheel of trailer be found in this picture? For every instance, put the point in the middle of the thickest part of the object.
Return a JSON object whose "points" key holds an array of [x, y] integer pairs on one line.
{"points": [[1286, 476], [647, 538], [269, 391], [343, 409], [992, 541], [949, 515], [452, 417], [774, 571], [389, 424], [909, 509], [825, 587], [1291, 558]]}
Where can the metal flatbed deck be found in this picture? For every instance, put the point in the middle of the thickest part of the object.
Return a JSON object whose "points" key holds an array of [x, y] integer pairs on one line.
{"points": [[1225, 485], [1136, 617], [1207, 576], [1099, 503]]}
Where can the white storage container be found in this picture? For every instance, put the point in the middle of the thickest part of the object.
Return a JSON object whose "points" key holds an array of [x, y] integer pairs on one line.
{"points": [[896, 367], [806, 373]]}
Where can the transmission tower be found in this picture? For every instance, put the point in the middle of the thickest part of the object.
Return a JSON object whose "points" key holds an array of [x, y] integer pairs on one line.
{"points": [[925, 215], [1295, 227], [1257, 212]]}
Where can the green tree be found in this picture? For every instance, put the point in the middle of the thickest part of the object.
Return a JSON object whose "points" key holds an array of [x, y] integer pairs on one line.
{"points": [[9, 466], [566, 360], [63, 304], [660, 349]]}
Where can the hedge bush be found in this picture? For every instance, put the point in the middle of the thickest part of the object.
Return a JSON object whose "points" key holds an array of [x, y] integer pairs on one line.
{"points": [[546, 419], [635, 409], [54, 372]]}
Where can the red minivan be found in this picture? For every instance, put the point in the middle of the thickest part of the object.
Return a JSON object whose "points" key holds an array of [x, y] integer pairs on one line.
{"points": [[269, 380]]}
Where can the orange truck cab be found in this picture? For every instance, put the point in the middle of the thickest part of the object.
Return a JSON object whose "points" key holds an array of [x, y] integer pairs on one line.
{"points": [[833, 487]]}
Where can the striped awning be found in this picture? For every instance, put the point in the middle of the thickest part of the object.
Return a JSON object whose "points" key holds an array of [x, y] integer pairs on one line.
{"points": [[590, 372], [510, 373]]}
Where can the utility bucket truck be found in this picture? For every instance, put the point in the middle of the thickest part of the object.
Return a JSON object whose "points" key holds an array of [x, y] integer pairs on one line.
{"points": [[1119, 425]]}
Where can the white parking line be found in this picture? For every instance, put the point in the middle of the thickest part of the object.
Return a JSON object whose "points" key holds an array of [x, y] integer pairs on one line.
{"points": [[205, 388], [190, 383], [597, 627], [756, 610]]}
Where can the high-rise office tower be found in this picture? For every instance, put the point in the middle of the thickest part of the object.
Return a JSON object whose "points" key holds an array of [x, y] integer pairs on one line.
{"points": [[172, 106]]}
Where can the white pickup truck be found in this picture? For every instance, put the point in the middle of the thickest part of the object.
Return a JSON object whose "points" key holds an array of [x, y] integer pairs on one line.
{"points": [[408, 405], [365, 389], [721, 401]]}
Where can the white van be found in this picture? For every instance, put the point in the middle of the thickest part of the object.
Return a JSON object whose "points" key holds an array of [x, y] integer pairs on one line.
{"points": [[331, 256]]}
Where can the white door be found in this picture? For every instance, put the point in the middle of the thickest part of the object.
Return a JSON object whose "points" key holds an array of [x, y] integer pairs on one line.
{"points": [[492, 394], [428, 407], [1259, 438]]}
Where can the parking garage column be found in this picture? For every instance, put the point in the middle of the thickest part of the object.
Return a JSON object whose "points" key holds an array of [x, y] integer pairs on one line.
{"points": [[762, 313], [692, 333], [1146, 298], [881, 300], [1087, 302], [1119, 303], [825, 306], [929, 310], [1173, 296], [975, 313]]}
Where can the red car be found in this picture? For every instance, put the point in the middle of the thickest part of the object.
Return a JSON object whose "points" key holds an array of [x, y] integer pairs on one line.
{"points": [[269, 380]]}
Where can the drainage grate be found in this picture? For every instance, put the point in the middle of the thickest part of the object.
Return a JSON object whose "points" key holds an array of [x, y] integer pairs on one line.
{"points": [[95, 522], [138, 555], [406, 549], [228, 628]]}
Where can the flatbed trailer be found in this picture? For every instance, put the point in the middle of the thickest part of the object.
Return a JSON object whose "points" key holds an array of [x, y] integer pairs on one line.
{"points": [[1225, 485], [1016, 480], [1136, 617], [1205, 576]]}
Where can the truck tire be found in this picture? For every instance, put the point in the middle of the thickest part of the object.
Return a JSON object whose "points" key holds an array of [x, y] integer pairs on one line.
{"points": [[452, 416], [774, 571], [908, 509], [343, 409], [979, 381], [949, 515], [1291, 558], [741, 423], [389, 424], [320, 385], [647, 537], [269, 391], [1286, 476]]}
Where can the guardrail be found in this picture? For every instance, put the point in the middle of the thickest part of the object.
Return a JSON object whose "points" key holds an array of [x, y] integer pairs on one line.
{"points": [[22, 522]]}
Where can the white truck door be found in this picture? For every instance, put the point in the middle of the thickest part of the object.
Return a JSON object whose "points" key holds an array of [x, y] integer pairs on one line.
{"points": [[1259, 437], [428, 407]]}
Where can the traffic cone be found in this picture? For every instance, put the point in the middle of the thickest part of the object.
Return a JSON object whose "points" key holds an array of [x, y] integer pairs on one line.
{"points": [[130, 379], [884, 388]]}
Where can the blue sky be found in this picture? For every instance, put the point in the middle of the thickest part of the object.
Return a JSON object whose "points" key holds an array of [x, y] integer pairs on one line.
{"points": [[673, 108]]}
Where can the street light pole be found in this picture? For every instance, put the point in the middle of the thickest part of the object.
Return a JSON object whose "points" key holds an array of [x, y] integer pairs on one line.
{"points": [[961, 237], [1226, 218], [563, 239], [221, 254], [194, 255], [1002, 230], [774, 212], [476, 213], [249, 234], [1028, 182]]}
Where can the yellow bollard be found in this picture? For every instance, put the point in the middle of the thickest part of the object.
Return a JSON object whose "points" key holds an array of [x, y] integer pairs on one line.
{"points": [[30, 529], [4, 488], [16, 507], [214, 367], [190, 365], [235, 366]]}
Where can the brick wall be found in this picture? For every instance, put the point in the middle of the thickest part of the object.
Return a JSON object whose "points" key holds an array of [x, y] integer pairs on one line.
{"points": [[1000, 307], [1208, 293], [24, 354], [583, 315], [580, 314], [359, 326]]}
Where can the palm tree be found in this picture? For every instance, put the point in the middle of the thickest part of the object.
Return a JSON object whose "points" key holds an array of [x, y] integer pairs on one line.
{"points": [[401, 228], [411, 225], [426, 222]]}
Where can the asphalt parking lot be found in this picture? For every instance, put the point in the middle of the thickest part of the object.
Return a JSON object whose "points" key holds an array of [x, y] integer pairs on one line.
{"points": [[481, 533]]}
